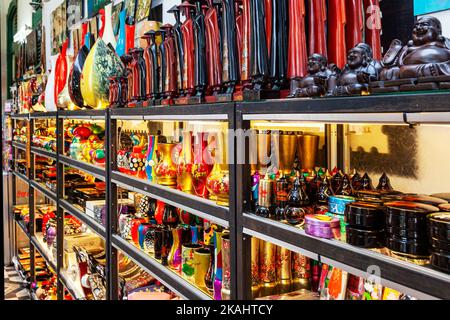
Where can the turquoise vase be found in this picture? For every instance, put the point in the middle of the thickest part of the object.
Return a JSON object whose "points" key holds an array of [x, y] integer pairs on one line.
{"points": [[120, 48]]}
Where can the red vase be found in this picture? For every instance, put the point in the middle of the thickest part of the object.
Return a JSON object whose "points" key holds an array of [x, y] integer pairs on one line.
{"points": [[135, 223], [159, 211], [297, 53], [318, 27], [187, 29], [337, 49], [202, 165], [213, 57], [61, 71], [354, 27], [130, 30], [137, 163]]}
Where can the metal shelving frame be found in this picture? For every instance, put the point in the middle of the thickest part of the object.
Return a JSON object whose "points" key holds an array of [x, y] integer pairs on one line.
{"points": [[410, 109], [419, 108]]}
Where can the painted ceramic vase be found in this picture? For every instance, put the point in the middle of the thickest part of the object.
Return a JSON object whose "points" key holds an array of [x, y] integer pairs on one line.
{"points": [[170, 216], [165, 170], [101, 64], [120, 47], [50, 104], [125, 226], [63, 66], [218, 182], [184, 164], [202, 166], [137, 162], [135, 223], [151, 157], [218, 271], [175, 252], [202, 259], [108, 32], [159, 212], [75, 73], [188, 261], [226, 275]]}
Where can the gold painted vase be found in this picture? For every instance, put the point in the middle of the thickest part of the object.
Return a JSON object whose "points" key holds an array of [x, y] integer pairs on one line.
{"points": [[255, 267], [101, 64], [285, 276], [260, 152], [268, 268], [165, 170], [184, 164], [308, 146], [285, 146], [226, 271], [202, 259], [218, 181], [187, 261], [301, 272]]}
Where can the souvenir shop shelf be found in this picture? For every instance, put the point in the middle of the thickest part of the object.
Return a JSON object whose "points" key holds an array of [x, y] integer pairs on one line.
{"points": [[80, 215], [21, 116], [43, 152], [377, 105], [21, 176], [97, 172], [83, 114], [43, 115], [44, 190], [47, 254], [397, 274], [75, 292], [271, 195], [172, 280], [19, 145]]}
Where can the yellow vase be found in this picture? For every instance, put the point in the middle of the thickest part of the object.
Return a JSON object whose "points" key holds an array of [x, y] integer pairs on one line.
{"points": [[101, 64], [165, 170], [218, 181]]}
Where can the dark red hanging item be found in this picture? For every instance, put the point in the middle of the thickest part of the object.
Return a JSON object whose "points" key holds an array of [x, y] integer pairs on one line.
{"points": [[373, 26], [318, 27], [297, 53], [354, 28], [187, 29], [337, 49], [213, 56]]}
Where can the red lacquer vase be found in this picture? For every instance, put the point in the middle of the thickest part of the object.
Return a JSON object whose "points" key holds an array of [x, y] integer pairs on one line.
{"points": [[318, 27], [202, 166], [187, 29], [213, 57], [297, 53], [337, 49], [354, 28]]}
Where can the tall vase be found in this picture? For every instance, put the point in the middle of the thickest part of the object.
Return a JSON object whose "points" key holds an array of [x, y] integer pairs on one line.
{"points": [[184, 165], [130, 31], [187, 261], [373, 27], [226, 276], [297, 53], [108, 32], [259, 54], [179, 49], [120, 47], [170, 216], [62, 98], [75, 73], [285, 279], [175, 252], [255, 267], [278, 44], [230, 59], [151, 156], [202, 259], [137, 163], [218, 271], [187, 29], [301, 272], [218, 182], [213, 55], [202, 166], [50, 104], [209, 276], [101, 64], [159, 212], [267, 268], [200, 48], [318, 27], [165, 170], [169, 87], [337, 49]]}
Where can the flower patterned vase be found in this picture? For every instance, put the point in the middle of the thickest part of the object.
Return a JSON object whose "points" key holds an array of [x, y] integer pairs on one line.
{"points": [[187, 261], [75, 73], [137, 162], [62, 98], [184, 164], [202, 259], [202, 166], [101, 64], [267, 263], [165, 170], [175, 252], [226, 275]]}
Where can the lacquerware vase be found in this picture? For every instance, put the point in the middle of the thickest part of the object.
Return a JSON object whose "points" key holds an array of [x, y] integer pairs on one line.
{"points": [[120, 47], [108, 32], [75, 73], [62, 98], [159, 212], [184, 165], [202, 166], [101, 64], [218, 183], [202, 259], [151, 156], [209, 276], [187, 261], [50, 104], [165, 170], [226, 276], [175, 252], [170, 216]]}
